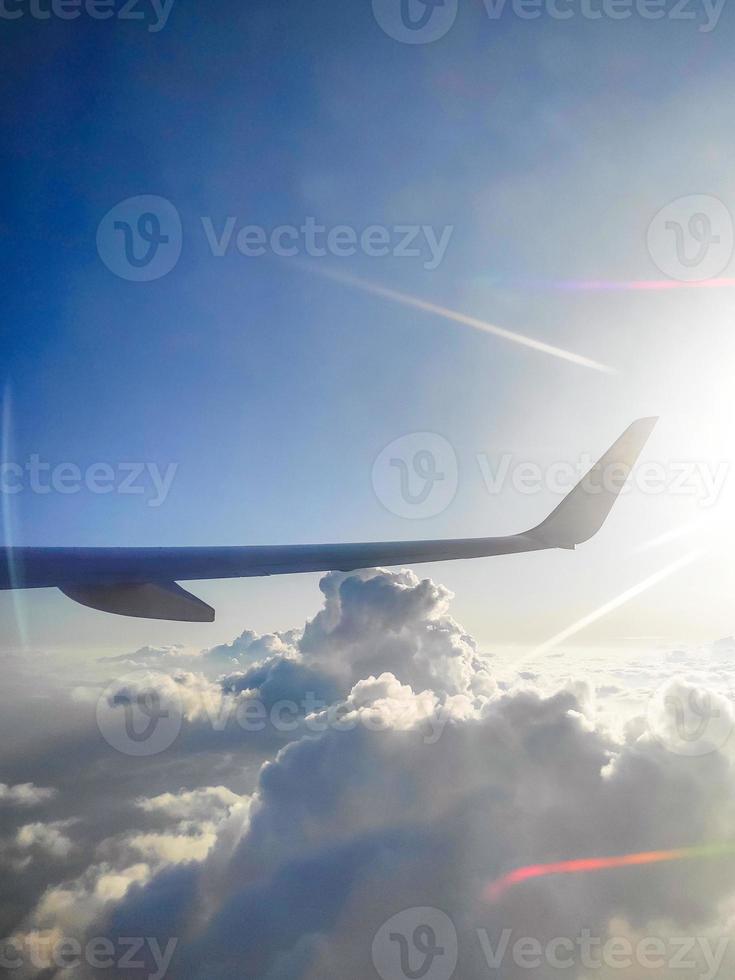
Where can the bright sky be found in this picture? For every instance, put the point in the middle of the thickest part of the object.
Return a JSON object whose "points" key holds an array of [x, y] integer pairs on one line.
{"points": [[273, 383]]}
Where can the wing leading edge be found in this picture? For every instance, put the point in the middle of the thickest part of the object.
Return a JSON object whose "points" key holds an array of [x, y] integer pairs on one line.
{"points": [[141, 582]]}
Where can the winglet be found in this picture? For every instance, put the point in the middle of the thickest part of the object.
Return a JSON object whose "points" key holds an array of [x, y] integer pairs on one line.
{"points": [[584, 509]]}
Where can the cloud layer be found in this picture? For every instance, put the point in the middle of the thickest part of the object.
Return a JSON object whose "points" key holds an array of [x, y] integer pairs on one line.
{"points": [[397, 768]]}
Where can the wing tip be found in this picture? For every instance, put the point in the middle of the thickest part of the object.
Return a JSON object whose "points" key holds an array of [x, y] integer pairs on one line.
{"points": [[581, 514], [646, 422]]}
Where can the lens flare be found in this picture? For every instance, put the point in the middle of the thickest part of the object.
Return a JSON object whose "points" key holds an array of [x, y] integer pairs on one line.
{"points": [[613, 285], [496, 889], [634, 285]]}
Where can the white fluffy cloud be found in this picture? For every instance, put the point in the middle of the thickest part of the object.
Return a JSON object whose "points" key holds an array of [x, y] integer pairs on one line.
{"points": [[49, 837], [430, 782], [24, 794]]}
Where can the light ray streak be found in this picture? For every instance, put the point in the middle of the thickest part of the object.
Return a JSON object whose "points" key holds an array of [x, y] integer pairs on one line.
{"points": [[671, 535], [467, 321], [616, 602]]}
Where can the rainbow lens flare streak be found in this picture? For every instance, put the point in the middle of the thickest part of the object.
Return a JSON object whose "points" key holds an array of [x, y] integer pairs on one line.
{"points": [[624, 285], [496, 889], [644, 284], [608, 285]]}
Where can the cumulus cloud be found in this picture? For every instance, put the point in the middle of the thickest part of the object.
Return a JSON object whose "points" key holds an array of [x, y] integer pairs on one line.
{"points": [[198, 804], [24, 794], [49, 837], [192, 820], [147, 654], [251, 646], [373, 623], [415, 782], [351, 827]]}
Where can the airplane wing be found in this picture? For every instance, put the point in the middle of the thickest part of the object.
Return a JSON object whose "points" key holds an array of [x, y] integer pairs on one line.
{"points": [[141, 582]]}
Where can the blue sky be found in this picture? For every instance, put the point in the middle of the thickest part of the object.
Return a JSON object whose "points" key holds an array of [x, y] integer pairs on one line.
{"points": [[548, 146], [509, 712]]}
